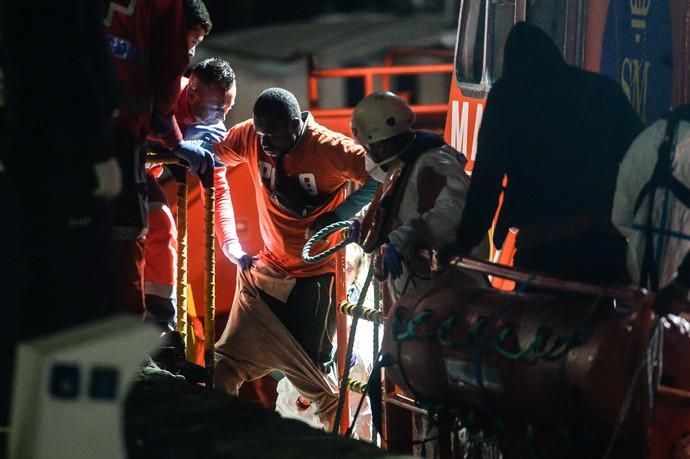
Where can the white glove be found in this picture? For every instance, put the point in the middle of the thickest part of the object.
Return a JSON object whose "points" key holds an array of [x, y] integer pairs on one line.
{"points": [[109, 178]]}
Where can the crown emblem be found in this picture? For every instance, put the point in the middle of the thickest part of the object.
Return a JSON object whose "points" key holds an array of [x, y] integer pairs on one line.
{"points": [[640, 7]]}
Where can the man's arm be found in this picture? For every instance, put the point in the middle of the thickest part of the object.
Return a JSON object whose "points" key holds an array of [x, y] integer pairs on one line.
{"points": [[354, 203], [226, 228], [230, 151], [487, 175], [168, 61], [209, 136], [348, 159], [442, 187]]}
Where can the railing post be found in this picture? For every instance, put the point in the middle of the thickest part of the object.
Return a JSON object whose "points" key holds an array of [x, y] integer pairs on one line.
{"points": [[313, 82]]}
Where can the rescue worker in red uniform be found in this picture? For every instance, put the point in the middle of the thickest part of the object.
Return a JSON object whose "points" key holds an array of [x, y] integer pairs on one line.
{"points": [[283, 317], [150, 43], [204, 101]]}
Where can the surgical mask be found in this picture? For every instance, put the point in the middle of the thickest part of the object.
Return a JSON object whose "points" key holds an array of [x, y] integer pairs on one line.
{"points": [[375, 169], [212, 116]]}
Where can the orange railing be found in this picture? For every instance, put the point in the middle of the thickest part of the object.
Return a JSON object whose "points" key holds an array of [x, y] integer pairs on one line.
{"points": [[383, 73]]}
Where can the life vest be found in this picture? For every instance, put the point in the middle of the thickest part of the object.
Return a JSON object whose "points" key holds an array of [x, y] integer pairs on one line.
{"points": [[378, 221]]}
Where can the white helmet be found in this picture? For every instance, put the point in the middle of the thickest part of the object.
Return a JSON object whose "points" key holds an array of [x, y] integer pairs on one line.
{"points": [[379, 116]]}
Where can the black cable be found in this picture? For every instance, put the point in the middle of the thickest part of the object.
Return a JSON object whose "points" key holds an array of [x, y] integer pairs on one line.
{"points": [[350, 348]]}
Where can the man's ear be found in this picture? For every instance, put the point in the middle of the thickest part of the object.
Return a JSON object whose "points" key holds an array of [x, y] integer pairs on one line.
{"points": [[295, 124]]}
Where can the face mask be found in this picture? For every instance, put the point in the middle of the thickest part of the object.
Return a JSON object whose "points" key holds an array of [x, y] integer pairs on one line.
{"points": [[375, 169], [211, 116]]}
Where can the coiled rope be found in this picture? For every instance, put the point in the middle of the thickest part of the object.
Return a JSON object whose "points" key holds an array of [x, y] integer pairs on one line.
{"points": [[321, 235]]}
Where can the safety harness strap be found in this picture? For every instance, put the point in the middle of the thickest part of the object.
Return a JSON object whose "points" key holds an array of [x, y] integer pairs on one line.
{"points": [[662, 177]]}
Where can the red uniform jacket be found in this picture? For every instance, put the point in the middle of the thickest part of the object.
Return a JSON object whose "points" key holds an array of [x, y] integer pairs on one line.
{"points": [[149, 48]]}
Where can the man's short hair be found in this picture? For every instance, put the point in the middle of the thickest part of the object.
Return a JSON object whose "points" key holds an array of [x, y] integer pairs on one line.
{"points": [[196, 15], [277, 103], [215, 71]]}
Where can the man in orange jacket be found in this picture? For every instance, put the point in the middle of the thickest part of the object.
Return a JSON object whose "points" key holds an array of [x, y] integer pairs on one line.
{"points": [[283, 317], [204, 102]]}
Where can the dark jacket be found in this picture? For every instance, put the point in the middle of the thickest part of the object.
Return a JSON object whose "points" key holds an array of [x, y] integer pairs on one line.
{"points": [[557, 132]]}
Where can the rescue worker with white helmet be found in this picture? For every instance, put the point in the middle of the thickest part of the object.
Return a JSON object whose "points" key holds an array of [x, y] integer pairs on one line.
{"points": [[428, 195]]}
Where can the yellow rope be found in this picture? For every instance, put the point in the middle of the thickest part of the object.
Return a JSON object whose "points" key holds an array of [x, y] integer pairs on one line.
{"points": [[154, 157], [368, 314], [357, 386], [210, 294], [182, 261]]}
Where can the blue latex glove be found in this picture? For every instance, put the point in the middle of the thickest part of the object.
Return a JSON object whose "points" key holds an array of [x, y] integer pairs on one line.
{"points": [[197, 157], [392, 261], [353, 231], [211, 134], [245, 262]]}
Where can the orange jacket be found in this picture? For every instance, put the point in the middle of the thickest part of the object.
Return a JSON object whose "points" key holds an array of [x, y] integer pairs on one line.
{"points": [[322, 162], [149, 49]]}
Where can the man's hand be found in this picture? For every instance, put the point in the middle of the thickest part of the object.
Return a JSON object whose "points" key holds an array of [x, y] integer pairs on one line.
{"points": [[233, 251], [392, 261], [668, 295], [198, 158], [444, 254], [353, 232], [109, 179], [245, 262], [321, 222], [212, 134]]}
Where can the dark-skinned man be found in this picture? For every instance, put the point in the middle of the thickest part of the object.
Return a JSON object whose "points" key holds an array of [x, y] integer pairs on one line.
{"points": [[283, 317]]}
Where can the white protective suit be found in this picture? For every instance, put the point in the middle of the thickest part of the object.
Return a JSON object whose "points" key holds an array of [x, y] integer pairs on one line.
{"points": [[429, 215], [673, 242]]}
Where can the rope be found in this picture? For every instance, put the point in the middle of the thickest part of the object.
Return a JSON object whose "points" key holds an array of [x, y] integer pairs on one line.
{"points": [[560, 346], [350, 429], [376, 350], [410, 332], [156, 157], [350, 344], [321, 235], [472, 334], [182, 262], [356, 386], [210, 284], [377, 307], [479, 378], [368, 314]]}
